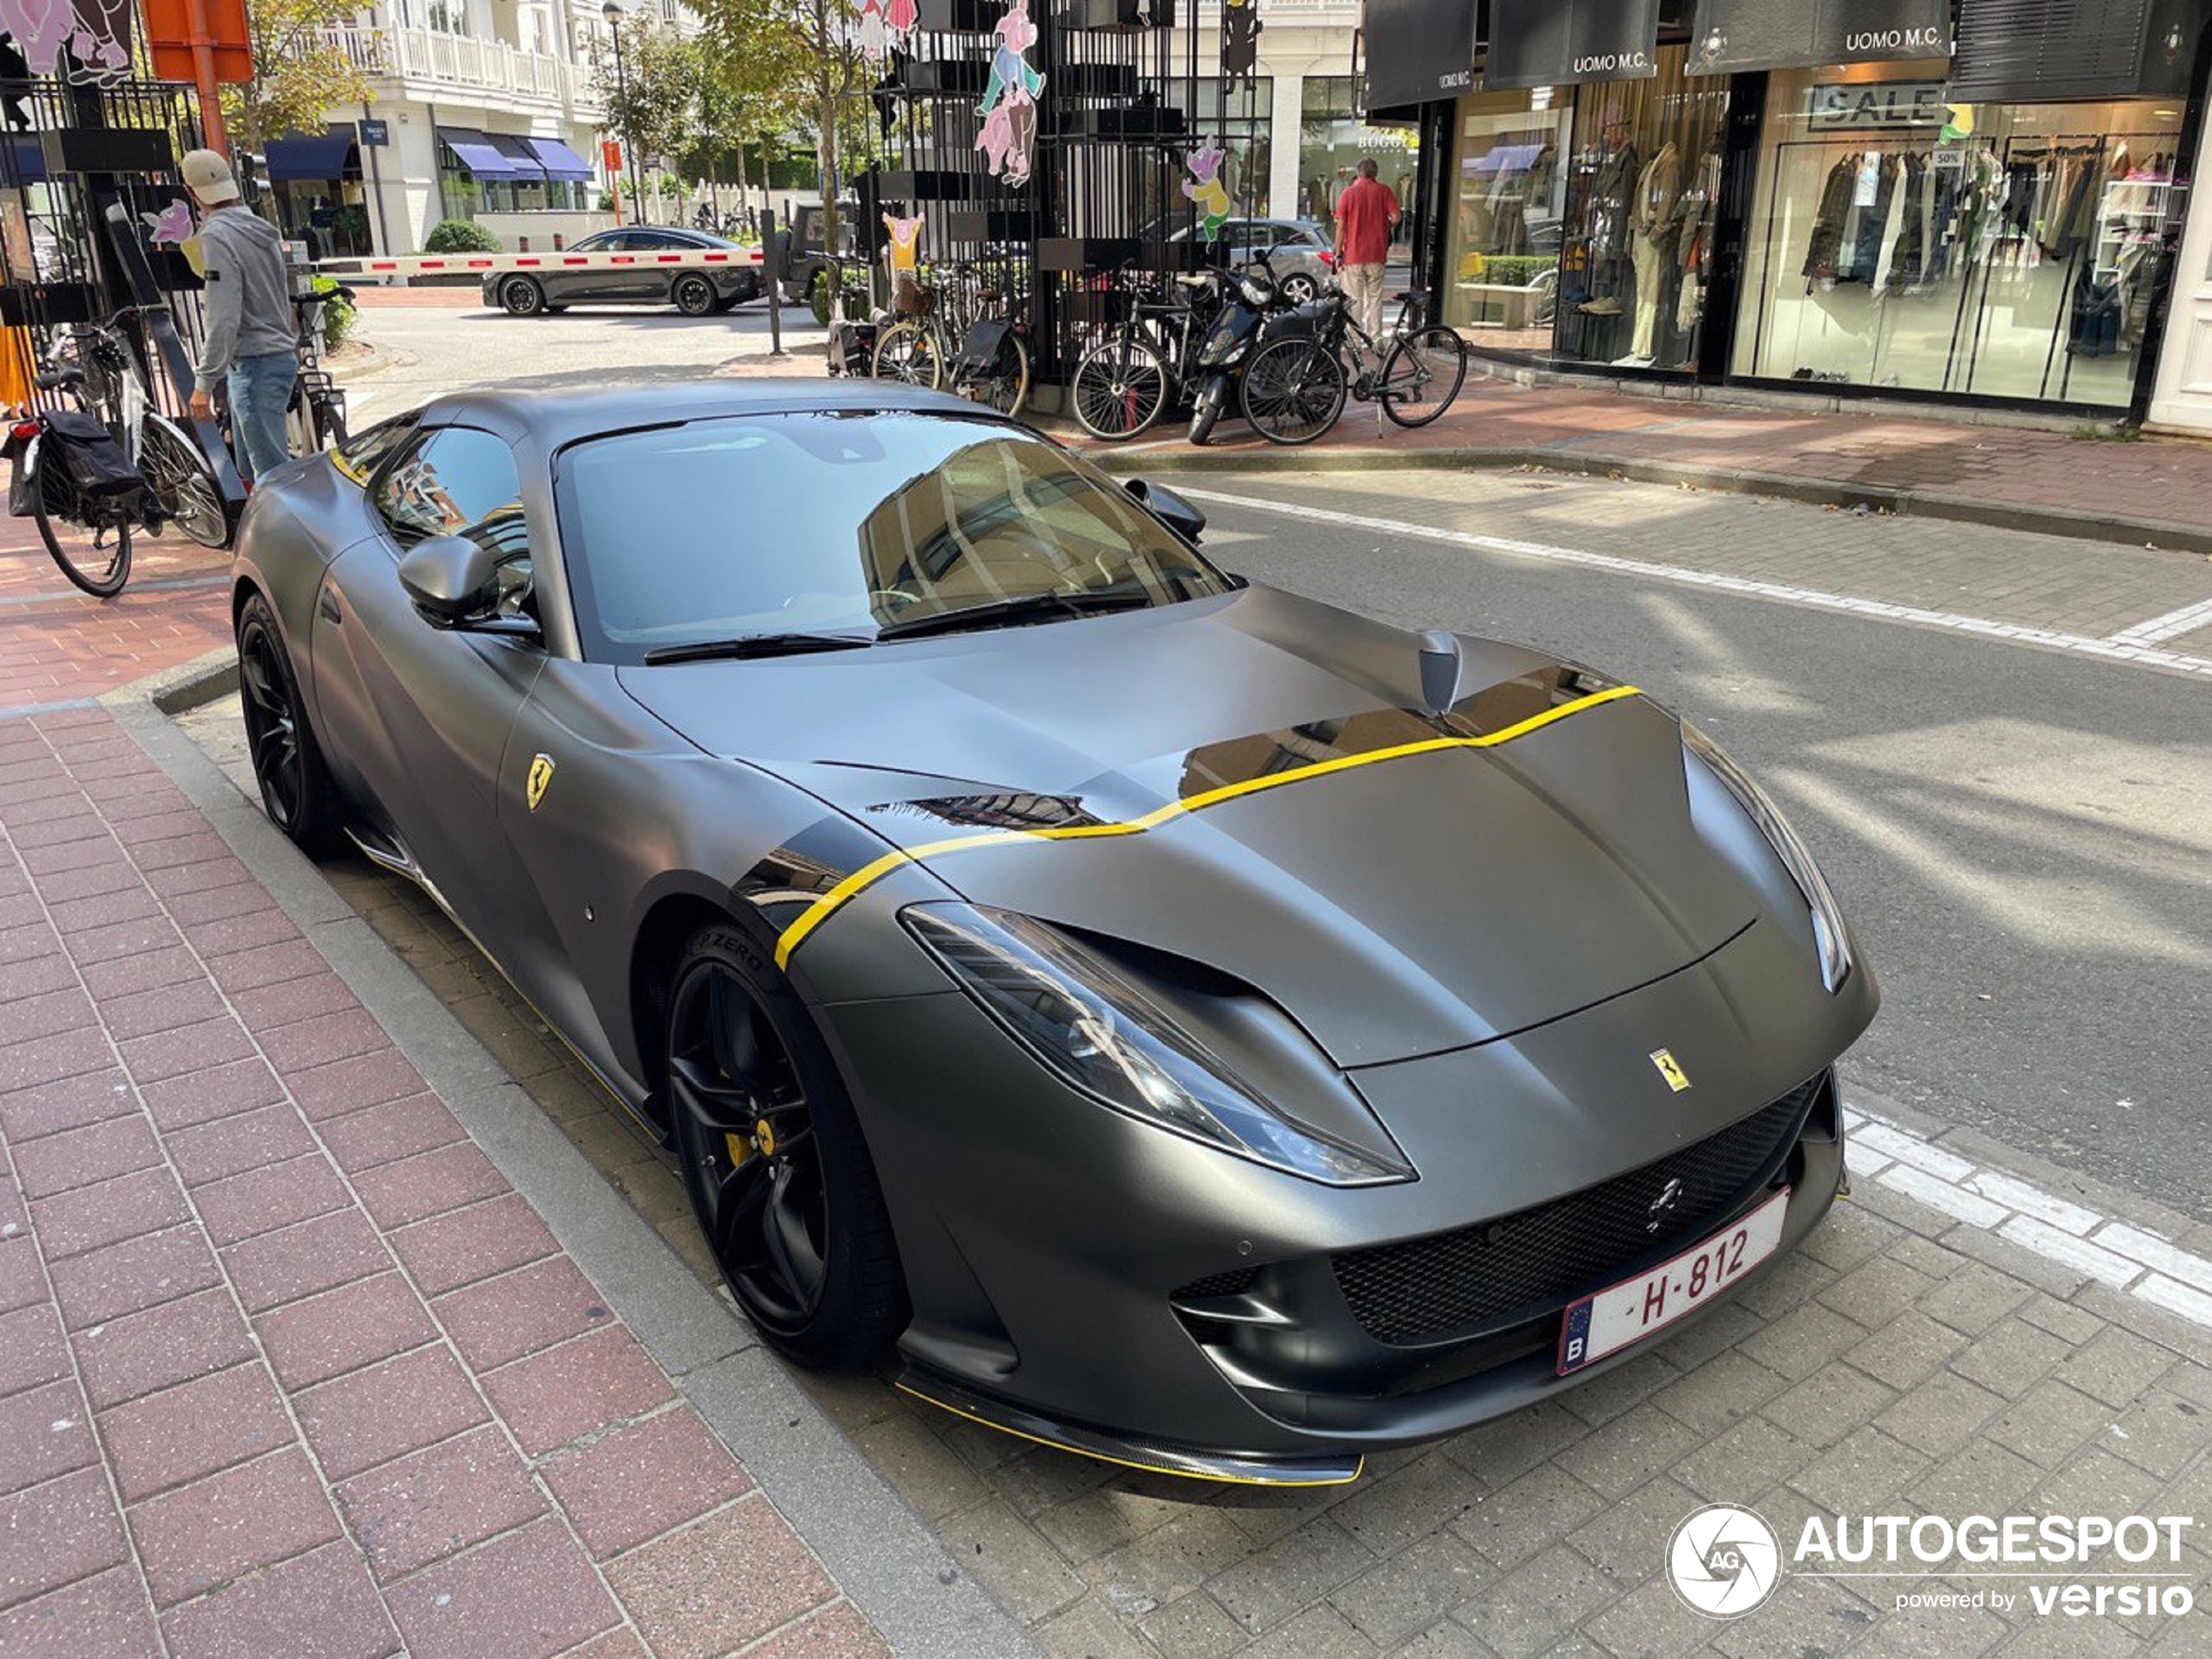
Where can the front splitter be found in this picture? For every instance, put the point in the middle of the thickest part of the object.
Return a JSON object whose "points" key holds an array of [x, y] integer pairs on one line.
{"points": [[1228, 1468]]}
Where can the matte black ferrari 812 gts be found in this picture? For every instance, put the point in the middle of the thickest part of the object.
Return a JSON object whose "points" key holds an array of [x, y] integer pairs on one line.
{"points": [[1200, 1027]]}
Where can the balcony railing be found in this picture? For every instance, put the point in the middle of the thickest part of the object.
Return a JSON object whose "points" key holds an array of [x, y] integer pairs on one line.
{"points": [[457, 60]]}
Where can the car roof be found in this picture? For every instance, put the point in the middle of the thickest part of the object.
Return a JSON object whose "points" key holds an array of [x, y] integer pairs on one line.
{"points": [[562, 416]]}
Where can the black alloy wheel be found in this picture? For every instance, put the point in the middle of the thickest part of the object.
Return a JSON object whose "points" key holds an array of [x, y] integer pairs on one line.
{"points": [[523, 297], [779, 1173], [296, 788], [694, 294]]}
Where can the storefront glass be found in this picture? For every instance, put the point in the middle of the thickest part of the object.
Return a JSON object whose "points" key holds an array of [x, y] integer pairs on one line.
{"points": [[1243, 124], [1636, 245], [1991, 250], [1333, 141], [1508, 203]]}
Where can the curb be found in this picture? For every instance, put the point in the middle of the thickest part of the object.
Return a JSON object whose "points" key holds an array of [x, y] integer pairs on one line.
{"points": [[1944, 505], [882, 1555]]}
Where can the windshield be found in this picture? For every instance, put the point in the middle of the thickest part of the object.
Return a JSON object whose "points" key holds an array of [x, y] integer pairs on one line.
{"points": [[844, 522]]}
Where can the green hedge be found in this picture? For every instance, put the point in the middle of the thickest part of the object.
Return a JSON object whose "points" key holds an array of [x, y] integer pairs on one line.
{"points": [[460, 236], [1516, 270]]}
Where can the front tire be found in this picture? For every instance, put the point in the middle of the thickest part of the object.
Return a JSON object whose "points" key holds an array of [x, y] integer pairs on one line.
{"points": [[182, 482], [523, 297], [1121, 388], [1293, 391], [903, 352], [297, 791], [693, 294], [777, 1170]]}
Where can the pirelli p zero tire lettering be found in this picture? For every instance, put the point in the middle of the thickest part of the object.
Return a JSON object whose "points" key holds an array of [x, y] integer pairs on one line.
{"points": [[774, 1157]]}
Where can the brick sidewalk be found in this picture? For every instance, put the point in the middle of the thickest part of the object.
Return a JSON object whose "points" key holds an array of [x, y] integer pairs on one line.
{"points": [[286, 1365]]}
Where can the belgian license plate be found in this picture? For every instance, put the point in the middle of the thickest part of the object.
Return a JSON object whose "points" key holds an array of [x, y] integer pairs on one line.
{"points": [[1632, 1310]]}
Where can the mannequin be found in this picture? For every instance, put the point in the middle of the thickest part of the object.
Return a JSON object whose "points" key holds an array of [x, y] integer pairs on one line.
{"points": [[1651, 243]]}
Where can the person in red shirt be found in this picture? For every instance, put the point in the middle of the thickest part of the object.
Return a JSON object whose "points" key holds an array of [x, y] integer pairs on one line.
{"points": [[1366, 214]]}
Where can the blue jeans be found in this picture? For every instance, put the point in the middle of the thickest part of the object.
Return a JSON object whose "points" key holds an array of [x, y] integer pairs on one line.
{"points": [[260, 391]]}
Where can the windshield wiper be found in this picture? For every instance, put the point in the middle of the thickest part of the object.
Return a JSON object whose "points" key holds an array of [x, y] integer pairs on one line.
{"points": [[1028, 606], [703, 651]]}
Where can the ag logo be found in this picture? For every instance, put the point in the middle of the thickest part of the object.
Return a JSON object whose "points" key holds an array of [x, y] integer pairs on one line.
{"points": [[1724, 1562], [1669, 1068], [541, 776]]}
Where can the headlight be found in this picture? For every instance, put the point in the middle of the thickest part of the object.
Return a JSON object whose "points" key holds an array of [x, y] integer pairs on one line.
{"points": [[1103, 1035], [1256, 294], [1828, 932]]}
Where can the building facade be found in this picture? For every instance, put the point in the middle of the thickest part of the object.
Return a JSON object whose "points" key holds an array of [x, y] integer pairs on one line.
{"points": [[1972, 201], [479, 109]]}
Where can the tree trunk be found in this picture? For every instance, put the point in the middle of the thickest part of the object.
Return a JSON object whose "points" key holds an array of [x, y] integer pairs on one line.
{"points": [[827, 109]]}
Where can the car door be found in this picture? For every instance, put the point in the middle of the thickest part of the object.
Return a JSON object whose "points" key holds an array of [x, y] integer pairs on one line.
{"points": [[659, 281], [418, 716], [597, 283]]}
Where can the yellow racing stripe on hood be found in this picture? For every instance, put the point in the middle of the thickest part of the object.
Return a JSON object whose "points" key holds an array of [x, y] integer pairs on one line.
{"points": [[865, 877]]}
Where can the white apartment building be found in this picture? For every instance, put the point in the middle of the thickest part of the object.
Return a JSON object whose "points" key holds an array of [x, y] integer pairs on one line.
{"points": [[487, 111]]}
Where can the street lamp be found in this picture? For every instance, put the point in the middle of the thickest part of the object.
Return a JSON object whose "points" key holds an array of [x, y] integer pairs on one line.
{"points": [[614, 15]]}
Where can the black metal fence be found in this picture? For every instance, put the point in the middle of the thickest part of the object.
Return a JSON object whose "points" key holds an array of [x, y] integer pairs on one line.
{"points": [[1115, 125]]}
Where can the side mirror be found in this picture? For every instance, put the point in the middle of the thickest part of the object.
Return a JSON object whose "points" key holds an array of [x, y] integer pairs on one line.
{"points": [[450, 578], [1168, 507]]}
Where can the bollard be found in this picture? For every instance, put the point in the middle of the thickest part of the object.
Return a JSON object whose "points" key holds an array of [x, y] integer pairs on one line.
{"points": [[521, 244], [775, 265], [559, 241]]}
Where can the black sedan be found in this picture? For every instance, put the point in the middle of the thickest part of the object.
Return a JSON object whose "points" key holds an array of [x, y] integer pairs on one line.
{"points": [[697, 290], [1199, 1026]]}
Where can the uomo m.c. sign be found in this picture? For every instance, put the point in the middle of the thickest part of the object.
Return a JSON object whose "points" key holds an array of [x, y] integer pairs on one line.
{"points": [[1929, 41], [1613, 63]]}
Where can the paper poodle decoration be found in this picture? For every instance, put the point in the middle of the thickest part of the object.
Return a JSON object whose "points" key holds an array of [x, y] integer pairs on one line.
{"points": [[906, 245], [1010, 106], [881, 30], [1010, 137], [94, 33], [171, 225], [1239, 44], [1206, 189]]}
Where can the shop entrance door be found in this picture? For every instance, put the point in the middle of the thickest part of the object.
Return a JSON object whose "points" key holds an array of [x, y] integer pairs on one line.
{"points": [[2182, 398]]}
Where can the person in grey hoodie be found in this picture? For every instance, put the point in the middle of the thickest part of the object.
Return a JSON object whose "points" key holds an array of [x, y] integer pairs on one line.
{"points": [[250, 329]]}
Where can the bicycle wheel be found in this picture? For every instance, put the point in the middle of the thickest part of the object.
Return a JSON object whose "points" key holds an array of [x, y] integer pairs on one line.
{"points": [[1422, 374], [1121, 388], [299, 423], [182, 482], [1005, 385], [1293, 391], [101, 571], [330, 423], [905, 352]]}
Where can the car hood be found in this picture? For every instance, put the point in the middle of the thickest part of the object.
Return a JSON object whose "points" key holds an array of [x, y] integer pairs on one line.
{"points": [[1396, 894]]}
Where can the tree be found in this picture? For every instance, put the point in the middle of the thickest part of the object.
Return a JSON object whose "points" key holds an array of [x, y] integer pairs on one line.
{"points": [[300, 70], [743, 101], [815, 45], [650, 101]]}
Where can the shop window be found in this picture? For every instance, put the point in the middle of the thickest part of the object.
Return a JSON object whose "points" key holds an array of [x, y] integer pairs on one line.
{"points": [[1991, 250], [1508, 206], [1332, 141], [1636, 251], [1244, 124]]}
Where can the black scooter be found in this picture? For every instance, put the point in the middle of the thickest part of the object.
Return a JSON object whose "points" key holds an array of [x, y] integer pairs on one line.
{"points": [[1250, 301]]}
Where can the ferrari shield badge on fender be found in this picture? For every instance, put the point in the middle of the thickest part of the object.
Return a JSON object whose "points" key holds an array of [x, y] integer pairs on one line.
{"points": [[1669, 1068], [542, 775]]}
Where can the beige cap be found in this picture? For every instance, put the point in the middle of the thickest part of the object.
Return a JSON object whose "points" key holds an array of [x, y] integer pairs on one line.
{"points": [[208, 176]]}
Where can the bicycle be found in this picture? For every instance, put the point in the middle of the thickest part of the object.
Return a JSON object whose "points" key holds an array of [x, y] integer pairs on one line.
{"points": [[316, 416], [1126, 381], [114, 384], [968, 340], [1295, 389], [54, 496]]}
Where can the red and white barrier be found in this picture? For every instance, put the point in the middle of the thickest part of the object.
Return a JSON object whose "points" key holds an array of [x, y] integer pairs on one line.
{"points": [[432, 264]]}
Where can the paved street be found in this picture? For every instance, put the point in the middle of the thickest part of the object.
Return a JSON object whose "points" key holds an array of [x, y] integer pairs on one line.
{"points": [[2013, 1316]]}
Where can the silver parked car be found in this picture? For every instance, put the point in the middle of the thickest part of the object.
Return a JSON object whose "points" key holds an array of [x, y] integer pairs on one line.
{"points": [[1297, 249], [694, 290]]}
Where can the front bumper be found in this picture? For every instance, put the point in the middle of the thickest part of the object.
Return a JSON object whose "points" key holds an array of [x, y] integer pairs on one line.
{"points": [[1089, 1281]]}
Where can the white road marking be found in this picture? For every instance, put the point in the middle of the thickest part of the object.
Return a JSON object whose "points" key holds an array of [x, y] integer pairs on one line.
{"points": [[2079, 1239], [2130, 652], [2172, 625]]}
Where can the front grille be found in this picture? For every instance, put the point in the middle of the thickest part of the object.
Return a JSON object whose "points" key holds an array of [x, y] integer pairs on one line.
{"points": [[1410, 1292]]}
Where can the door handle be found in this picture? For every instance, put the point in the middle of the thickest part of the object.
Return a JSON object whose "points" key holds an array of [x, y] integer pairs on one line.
{"points": [[326, 606]]}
